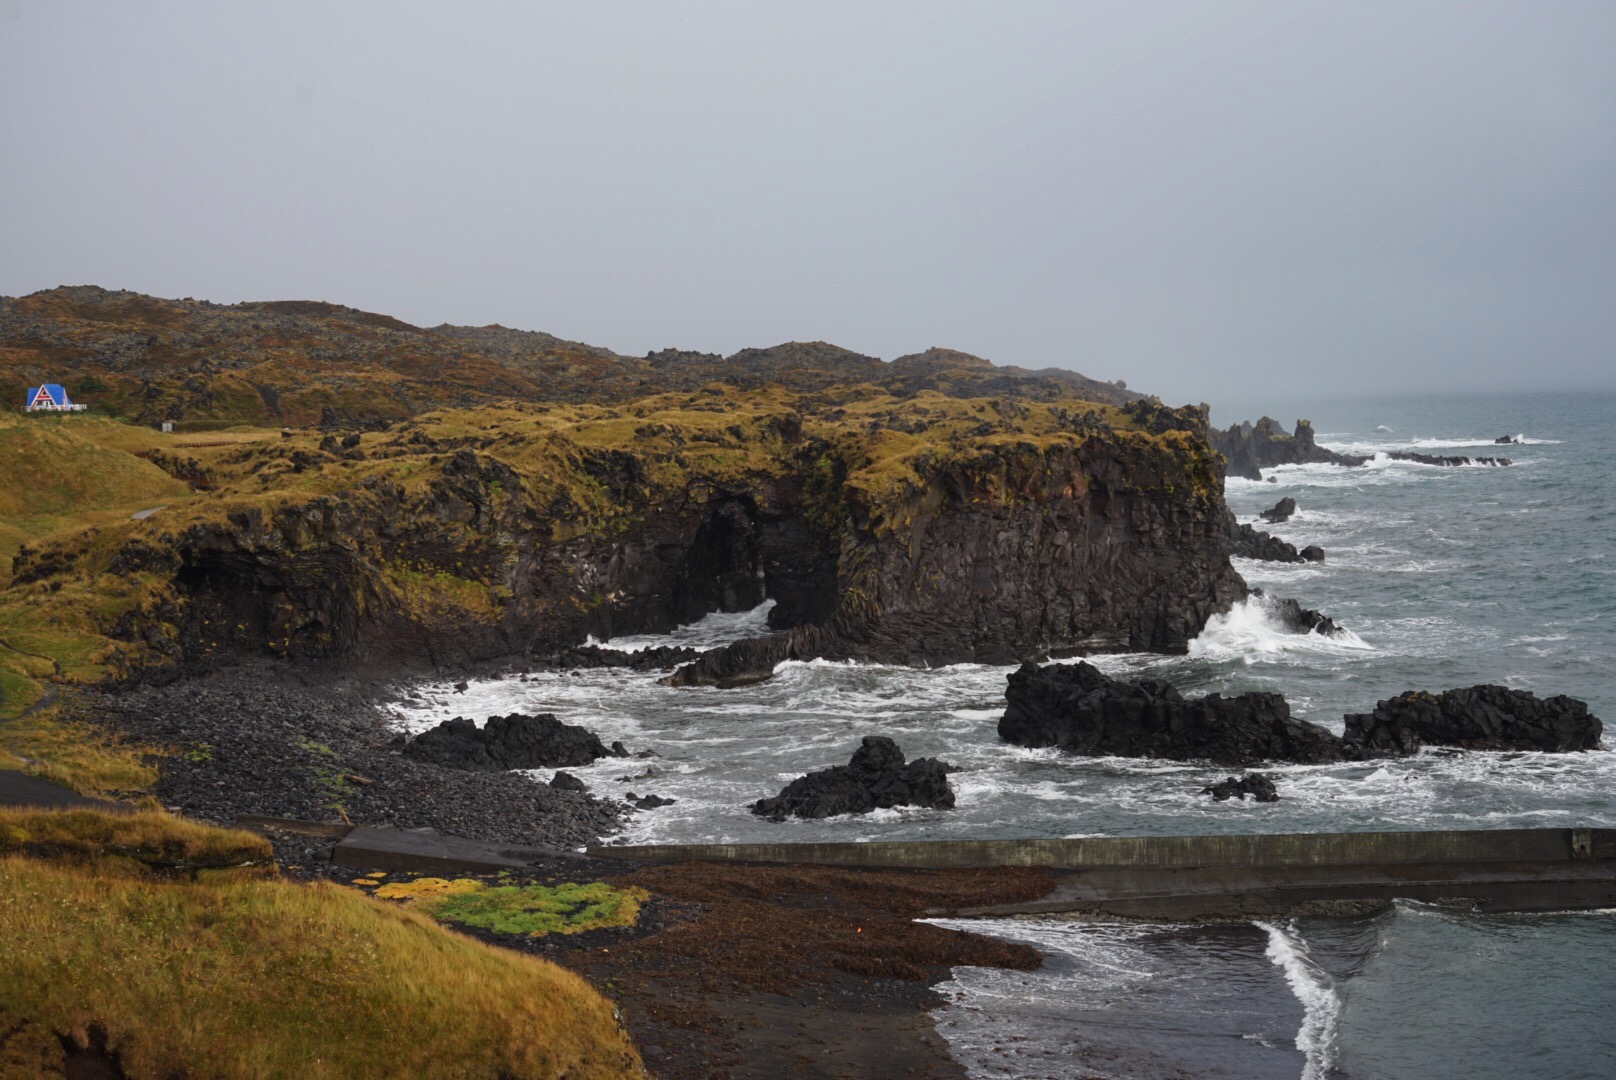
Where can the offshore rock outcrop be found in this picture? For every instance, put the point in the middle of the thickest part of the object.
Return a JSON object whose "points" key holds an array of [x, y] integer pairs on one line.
{"points": [[1478, 718], [1280, 512], [506, 742], [876, 778], [1080, 710], [1250, 448], [1248, 542], [1256, 784]]}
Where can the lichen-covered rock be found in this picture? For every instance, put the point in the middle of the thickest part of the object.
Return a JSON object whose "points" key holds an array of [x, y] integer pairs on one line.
{"points": [[507, 742], [1478, 718], [1080, 710], [876, 778]]}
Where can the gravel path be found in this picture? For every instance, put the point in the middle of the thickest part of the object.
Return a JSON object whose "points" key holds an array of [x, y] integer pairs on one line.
{"points": [[265, 739]]}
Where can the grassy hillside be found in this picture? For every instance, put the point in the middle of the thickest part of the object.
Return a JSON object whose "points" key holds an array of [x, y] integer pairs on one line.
{"points": [[304, 363], [218, 973]]}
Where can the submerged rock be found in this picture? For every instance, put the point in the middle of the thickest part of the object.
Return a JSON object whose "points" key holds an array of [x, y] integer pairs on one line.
{"points": [[1479, 718], [1256, 784], [1080, 710], [506, 742], [876, 778], [1450, 460]]}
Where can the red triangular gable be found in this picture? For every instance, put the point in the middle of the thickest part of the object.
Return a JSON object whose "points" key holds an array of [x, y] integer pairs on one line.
{"points": [[43, 397]]}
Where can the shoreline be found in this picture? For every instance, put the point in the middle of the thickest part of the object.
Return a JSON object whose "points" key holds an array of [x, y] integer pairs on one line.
{"points": [[243, 735]]}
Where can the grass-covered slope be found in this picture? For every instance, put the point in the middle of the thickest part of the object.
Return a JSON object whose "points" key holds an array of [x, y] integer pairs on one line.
{"points": [[216, 974]]}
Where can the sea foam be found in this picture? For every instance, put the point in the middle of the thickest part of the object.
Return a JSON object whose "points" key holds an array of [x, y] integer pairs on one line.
{"points": [[1315, 989]]}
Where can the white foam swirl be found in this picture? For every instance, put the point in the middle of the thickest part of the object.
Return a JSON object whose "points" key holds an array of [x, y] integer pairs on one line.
{"points": [[1315, 989]]}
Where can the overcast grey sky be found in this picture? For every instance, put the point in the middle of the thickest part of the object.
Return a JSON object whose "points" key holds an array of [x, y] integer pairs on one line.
{"points": [[1195, 197]]}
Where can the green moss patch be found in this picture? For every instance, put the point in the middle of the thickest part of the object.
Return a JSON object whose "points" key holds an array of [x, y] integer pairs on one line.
{"points": [[532, 910]]}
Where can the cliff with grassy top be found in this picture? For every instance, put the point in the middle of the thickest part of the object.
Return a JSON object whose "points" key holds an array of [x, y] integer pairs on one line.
{"points": [[924, 528]]}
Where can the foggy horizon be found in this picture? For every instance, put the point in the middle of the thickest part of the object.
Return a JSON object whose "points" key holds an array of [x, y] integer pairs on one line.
{"points": [[1210, 202]]}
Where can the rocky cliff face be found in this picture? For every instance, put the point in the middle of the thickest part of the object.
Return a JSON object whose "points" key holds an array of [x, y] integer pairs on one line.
{"points": [[926, 531], [1019, 553]]}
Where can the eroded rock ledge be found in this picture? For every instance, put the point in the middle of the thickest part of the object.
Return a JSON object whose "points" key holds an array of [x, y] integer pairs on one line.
{"points": [[1080, 710]]}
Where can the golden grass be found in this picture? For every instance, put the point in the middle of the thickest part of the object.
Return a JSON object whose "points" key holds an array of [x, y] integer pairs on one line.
{"points": [[150, 837], [83, 757], [261, 979]]}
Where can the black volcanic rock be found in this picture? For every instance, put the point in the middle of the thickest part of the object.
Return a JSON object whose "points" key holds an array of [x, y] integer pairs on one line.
{"points": [[1080, 710], [1250, 543], [506, 742], [1312, 553], [1449, 460], [1280, 512], [1294, 617], [1478, 718], [565, 781], [1251, 448], [743, 663], [876, 778], [1506, 440], [1256, 784]]}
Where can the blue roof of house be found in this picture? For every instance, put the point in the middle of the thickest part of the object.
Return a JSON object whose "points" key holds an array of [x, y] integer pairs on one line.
{"points": [[52, 390]]}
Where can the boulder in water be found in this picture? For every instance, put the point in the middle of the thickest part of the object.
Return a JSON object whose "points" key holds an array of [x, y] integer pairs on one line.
{"points": [[876, 778], [1256, 784], [1312, 553], [1280, 512], [1080, 710], [1478, 718], [506, 742]]}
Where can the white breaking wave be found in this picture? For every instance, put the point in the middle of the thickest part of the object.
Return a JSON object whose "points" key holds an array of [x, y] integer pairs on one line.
{"points": [[1315, 989], [708, 632], [1250, 632]]}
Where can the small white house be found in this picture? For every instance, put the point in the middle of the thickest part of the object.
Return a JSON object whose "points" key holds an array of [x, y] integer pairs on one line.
{"points": [[49, 397]]}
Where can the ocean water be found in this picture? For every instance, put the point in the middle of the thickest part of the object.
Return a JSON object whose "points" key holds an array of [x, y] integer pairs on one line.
{"points": [[1444, 576]]}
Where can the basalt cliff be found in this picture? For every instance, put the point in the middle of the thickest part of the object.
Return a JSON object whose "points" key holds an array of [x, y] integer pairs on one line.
{"points": [[902, 513]]}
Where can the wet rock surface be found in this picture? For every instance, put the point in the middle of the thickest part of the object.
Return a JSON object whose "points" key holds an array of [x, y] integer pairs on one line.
{"points": [[271, 740], [1478, 718], [506, 742], [1080, 710], [1249, 542], [876, 778], [1257, 785], [1280, 512], [1297, 619]]}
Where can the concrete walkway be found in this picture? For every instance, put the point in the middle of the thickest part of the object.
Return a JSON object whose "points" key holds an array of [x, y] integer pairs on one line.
{"points": [[21, 789]]}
